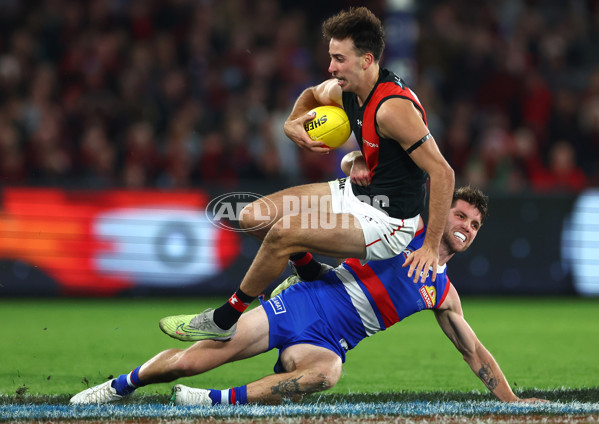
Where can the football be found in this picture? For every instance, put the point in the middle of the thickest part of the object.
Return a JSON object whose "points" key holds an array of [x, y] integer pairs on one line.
{"points": [[330, 125]]}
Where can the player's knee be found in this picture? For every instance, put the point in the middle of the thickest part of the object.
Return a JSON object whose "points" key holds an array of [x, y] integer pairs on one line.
{"points": [[256, 215], [322, 381], [247, 219], [184, 364], [324, 377], [279, 236]]}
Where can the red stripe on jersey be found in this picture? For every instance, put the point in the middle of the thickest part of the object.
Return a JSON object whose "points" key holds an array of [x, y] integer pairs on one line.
{"points": [[370, 150], [444, 293], [376, 289], [232, 397], [386, 89], [370, 136]]}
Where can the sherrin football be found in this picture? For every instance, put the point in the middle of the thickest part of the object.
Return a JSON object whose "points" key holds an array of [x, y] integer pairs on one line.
{"points": [[330, 125]]}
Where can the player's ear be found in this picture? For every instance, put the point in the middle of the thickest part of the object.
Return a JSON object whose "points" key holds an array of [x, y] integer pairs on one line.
{"points": [[367, 60]]}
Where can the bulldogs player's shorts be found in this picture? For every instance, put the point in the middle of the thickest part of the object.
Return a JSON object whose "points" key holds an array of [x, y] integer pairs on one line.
{"points": [[295, 318], [385, 236]]}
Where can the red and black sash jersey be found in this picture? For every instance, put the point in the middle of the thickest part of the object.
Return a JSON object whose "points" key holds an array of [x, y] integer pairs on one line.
{"points": [[394, 175]]}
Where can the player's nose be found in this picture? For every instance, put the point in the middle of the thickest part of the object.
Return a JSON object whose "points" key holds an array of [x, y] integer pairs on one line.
{"points": [[467, 229], [332, 68]]}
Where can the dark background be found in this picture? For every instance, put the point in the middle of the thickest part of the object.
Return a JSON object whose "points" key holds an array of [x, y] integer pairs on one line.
{"points": [[190, 96]]}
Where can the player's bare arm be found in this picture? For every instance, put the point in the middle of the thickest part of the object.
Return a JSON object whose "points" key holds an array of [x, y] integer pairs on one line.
{"points": [[408, 131], [354, 165], [326, 93], [451, 319]]}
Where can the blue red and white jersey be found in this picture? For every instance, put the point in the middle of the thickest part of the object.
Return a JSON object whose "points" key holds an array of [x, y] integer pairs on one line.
{"points": [[392, 171], [375, 296]]}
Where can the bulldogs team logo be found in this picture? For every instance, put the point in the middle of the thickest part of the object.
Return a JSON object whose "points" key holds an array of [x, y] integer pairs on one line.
{"points": [[429, 295]]}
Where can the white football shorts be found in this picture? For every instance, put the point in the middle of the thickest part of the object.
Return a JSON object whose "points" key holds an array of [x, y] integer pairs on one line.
{"points": [[384, 236]]}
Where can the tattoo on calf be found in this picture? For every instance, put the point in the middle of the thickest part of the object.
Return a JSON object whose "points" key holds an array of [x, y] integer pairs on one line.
{"points": [[287, 388], [486, 375]]}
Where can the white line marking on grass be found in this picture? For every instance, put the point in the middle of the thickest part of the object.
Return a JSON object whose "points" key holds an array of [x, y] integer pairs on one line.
{"points": [[153, 410]]}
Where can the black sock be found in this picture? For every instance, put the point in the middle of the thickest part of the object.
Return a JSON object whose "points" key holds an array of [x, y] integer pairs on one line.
{"points": [[229, 313], [307, 267]]}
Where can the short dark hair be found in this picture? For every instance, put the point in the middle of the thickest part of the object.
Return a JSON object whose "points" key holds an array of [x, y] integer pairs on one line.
{"points": [[359, 24], [475, 197]]}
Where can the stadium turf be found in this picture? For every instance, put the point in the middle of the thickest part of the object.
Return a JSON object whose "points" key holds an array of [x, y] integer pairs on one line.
{"points": [[59, 347]]}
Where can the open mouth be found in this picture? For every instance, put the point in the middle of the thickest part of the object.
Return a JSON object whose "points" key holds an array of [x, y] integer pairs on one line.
{"points": [[459, 235]]}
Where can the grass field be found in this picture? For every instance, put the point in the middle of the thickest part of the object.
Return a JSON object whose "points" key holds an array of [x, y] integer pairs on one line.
{"points": [[55, 348]]}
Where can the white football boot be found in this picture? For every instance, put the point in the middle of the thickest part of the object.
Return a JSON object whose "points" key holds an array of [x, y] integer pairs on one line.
{"points": [[188, 396], [103, 393]]}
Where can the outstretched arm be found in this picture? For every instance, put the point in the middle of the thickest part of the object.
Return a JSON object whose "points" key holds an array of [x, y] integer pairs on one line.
{"points": [[413, 136], [451, 319]]}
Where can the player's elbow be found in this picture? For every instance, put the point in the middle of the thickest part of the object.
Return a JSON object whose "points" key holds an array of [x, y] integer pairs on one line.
{"points": [[441, 174], [468, 355], [447, 174], [348, 160], [346, 166], [469, 351]]}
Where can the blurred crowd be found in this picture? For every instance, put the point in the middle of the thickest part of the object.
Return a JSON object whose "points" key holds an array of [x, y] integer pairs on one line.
{"points": [[513, 88], [178, 93]]}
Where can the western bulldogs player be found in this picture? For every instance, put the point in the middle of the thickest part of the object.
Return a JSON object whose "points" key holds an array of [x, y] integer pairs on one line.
{"points": [[314, 324]]}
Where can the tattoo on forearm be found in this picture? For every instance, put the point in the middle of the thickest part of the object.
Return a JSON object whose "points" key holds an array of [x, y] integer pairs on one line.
{"points": [[287, 388], [486, 375]]}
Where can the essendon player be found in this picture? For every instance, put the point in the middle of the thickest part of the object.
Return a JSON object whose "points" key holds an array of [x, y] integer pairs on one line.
{"points": [[373, 217]]}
